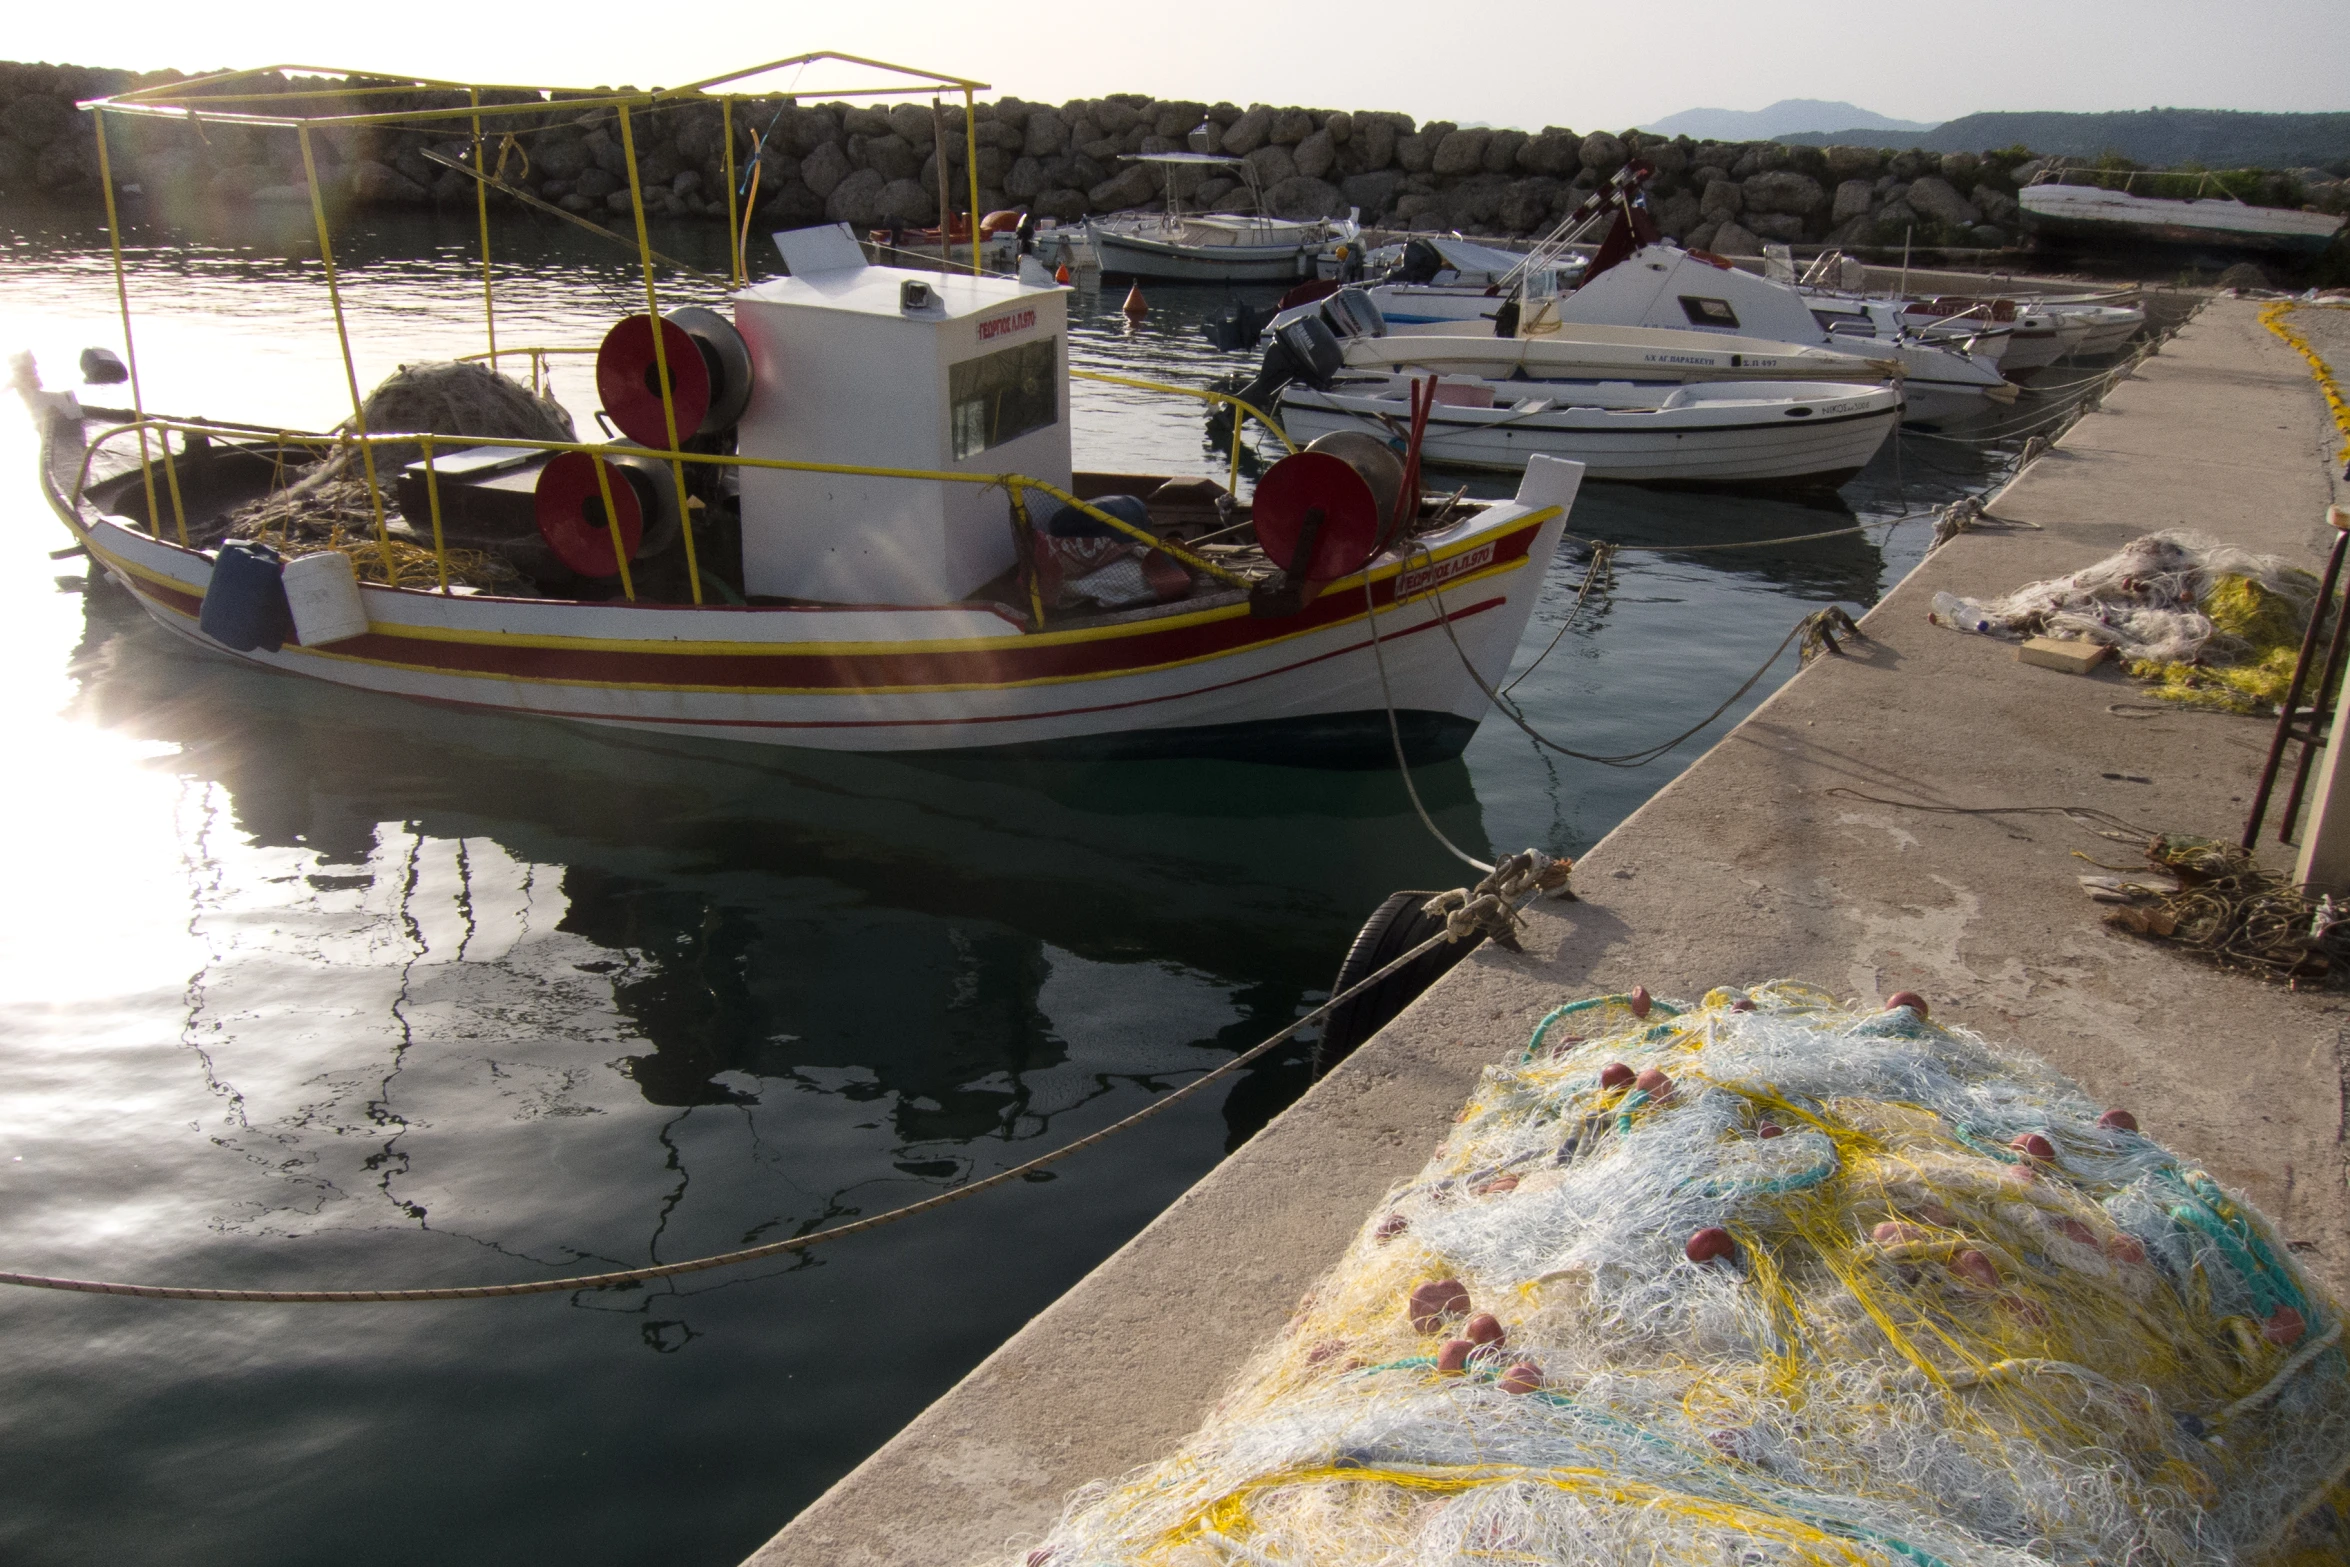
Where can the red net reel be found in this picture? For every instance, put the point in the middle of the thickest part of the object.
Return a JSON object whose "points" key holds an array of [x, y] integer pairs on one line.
{"points": [[570, 506], [628, 380], [1350, 527]]}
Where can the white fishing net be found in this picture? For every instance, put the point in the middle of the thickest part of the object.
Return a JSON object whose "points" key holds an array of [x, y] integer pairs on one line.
{"points": [[1946, 1318], [2147, 601]]}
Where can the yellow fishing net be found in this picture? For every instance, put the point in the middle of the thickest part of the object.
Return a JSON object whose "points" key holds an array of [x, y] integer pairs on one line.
{"points": [[1769, 1280]]}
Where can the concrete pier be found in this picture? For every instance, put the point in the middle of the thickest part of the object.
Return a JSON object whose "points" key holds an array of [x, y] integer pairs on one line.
{"points": [[1760, 863]]}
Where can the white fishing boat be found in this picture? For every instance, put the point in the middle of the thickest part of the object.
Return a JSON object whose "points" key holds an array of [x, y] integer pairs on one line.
{"points": [[2105, 210], [1443, 283], [1210, 247], [1743, 434], [846, 517], [1643, 355], [1661, 285]]}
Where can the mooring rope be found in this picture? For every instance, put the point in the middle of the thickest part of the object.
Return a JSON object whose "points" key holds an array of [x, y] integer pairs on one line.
{"points": [[1491, 909]]}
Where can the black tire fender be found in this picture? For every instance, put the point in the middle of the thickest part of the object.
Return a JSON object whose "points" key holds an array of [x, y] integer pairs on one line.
{"points": [[1394, 928]]}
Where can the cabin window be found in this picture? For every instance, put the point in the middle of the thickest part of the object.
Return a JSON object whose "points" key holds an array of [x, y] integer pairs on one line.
{"points": [[1708, 312], [1002, 396]]}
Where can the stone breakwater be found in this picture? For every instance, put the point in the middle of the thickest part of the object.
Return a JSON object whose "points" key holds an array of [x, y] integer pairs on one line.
{"points": [[875, 165]]}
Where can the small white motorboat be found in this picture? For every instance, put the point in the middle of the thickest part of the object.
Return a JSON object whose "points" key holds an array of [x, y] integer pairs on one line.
{"points": [[1641, 354], [1442, 283], [1210, 247], [1662, 285], [2212, 219], [1791, 434]]}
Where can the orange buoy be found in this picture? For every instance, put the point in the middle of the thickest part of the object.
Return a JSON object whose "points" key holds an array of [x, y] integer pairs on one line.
{"points": [[1061, 273], [1134, 307]]}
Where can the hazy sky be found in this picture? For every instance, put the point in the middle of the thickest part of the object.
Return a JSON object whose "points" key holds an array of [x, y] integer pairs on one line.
{"points": [[1567, 62]]}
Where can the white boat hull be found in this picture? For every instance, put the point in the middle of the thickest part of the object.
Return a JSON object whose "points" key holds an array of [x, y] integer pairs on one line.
{"points": [[1815, 437], [1137, 255], [2094, 215]]}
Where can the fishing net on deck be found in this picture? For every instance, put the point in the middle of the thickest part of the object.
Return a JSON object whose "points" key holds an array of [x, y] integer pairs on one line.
{"points": [[326, 505], [1772, 1281], [2210, 624]]}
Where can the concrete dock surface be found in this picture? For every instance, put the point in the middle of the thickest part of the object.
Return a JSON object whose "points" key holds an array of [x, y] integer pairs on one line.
{"points": [[1759, 863]]}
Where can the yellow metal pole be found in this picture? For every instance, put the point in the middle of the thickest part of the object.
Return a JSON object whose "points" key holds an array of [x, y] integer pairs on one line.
{"points": [[489, 313], [734, 255], [971, 163], [334, 294], [432, 494], [644, 250], [122, 297], [612, 524]]}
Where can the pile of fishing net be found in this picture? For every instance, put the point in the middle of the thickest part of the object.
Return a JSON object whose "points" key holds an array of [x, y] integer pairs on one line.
{"points": [[327, 505], [1768, 1280], [2211, 624]]}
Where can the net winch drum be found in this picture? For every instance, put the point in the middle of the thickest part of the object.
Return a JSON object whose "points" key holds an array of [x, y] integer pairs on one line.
{"points": [[1380, 464], [245, 602], [709, 372], [569, 502], [1349, 527]]}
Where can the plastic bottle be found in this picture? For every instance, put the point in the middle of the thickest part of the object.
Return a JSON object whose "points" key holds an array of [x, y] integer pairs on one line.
{"points": [[1952, 611]]}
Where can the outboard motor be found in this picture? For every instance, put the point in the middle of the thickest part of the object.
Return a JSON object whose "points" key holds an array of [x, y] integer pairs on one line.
{"points": [[1303, 349], [1421, 262], [1236, 328]]}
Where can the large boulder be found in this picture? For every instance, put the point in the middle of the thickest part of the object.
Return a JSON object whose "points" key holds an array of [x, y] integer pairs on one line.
{"points": [[1246, 134], [1462, 152], [856, 200], [1935, 198], [1959, 167], [823, 170], [892, 157], [1501, 151], [1300, 197], [1115, 116], [1062, 203], [1024, 181], [1374, 191], [1851, 201], [913, 121], [36, 119], [1733, 239], [864, 120], [1414, 154], [905, 201], [1272, 164], [1291, 126], [1852, 163], [558, 157], [16, 168], [1785, 191], [1135, 186], [1374, 141], [375, 184], [1316, 155], [1602, 153], [1775, 225], [1677, 215], [1668, 158], [1175, 119], [1724, 198], [1527, 204], [1998, 206], [1340, 125], [1046, 134], [1556, 153], [593, 183]]}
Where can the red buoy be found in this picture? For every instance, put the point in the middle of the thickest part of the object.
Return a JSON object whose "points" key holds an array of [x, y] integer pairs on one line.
{"points": [[2035, 1145], [1524, 1377], [1390, 1227], [1484, 1328], [1711, 1242], [1770, 1129], [1641, 1001], [2126, 1248], [2284, 1326], [1614, 1075], [1742, 1004], [2118, 1121], [1061, 273], [1653, 1083], [1895, 1233], [1907, 998], [1437, 1302], [1134, 308], [1452, 1356]]}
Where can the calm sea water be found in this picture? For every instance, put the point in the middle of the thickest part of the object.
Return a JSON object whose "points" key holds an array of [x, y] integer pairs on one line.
{"points": [[306, 988]]}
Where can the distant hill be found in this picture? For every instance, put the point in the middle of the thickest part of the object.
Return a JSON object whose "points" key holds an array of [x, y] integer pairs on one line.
{"points": [[2215, 138], [1781, 119]]}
